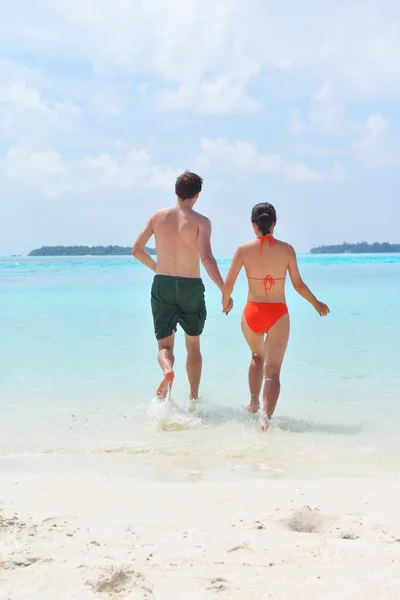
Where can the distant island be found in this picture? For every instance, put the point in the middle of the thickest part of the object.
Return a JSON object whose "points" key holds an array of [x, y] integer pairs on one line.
{"points": [[85, 251], [359, 248]]}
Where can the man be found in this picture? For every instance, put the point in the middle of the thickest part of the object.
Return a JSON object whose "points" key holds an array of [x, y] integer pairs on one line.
{"points": [[183, 238]]}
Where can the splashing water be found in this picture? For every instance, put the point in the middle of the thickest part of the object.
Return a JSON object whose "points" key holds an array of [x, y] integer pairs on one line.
{"points": [[168, 416]]}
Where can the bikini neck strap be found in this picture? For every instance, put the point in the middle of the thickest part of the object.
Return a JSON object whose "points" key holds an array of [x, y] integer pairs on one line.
{"points": [[269, 239]]}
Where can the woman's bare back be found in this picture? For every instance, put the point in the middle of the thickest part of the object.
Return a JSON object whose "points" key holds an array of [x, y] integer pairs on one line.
{"points": [[266, 264]]}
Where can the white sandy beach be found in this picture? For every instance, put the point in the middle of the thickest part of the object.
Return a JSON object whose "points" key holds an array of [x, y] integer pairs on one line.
{"points": [[86, 536]]}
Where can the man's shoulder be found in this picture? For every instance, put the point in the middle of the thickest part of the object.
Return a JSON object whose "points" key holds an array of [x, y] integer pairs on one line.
{"points": [[160, 212], [201, 219]]}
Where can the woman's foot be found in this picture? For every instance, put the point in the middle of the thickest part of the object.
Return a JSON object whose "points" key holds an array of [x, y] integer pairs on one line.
{"points": [[265, 422], [165, 386]]}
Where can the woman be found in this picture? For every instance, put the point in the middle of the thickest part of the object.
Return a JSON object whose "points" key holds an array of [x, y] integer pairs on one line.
{"points": [[265, 320]]}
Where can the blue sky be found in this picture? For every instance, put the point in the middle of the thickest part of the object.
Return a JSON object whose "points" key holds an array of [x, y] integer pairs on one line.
{"points": [[103, 104]]}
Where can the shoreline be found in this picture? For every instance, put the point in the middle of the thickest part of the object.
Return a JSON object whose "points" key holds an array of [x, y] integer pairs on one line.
{"points": [[87, 536], [164, 471]]}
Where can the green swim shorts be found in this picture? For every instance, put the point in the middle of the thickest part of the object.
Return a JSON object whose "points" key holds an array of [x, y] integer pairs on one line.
{"points": [[177, 300]]}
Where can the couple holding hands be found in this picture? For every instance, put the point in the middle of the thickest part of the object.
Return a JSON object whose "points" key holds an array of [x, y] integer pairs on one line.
{"points": [[183, 240]]}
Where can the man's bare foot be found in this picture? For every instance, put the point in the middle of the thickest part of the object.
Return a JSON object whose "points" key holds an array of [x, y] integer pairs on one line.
{"points": [[252, 408], [165, 386], [194, 396]]}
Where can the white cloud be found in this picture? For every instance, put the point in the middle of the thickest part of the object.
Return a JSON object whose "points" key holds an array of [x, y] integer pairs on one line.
{"points": [[191, 47], [219, 95], [325, 114], [377, 147], [26, 115], [25, 163], [300, 173], [44, 170], [243, 158], [213, 58], [22, 98], [325, 111], [214, 47], [49, 173], [371, 143], [134, 169], [241, 155]]}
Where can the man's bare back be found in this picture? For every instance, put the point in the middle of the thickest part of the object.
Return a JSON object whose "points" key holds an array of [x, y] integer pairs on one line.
{"points": [[176, 232], [183, 238]]}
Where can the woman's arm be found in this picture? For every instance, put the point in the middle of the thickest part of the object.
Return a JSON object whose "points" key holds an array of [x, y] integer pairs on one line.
{"points": [[301, 288], [230, 280]]}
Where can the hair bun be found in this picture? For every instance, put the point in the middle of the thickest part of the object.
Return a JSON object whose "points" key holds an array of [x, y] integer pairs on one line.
{"points": [[264, 216]]}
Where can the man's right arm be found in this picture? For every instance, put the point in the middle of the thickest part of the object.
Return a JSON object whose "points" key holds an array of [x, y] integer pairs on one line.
{"points": [[206, 254], [138, 250]]}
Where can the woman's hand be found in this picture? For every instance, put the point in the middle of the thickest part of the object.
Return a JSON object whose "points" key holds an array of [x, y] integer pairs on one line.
{"points": [[322, 309], [227, 305]]}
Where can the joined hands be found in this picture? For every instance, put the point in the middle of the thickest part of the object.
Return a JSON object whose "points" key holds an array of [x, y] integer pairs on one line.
{"points": [[227, 305]]}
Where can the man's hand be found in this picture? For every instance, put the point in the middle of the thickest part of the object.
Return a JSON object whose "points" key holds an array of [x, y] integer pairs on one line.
{"points": [[322, 309], [227, 306]]}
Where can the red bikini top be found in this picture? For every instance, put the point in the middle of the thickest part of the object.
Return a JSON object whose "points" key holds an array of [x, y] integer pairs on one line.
{"points": [[268, 280]]}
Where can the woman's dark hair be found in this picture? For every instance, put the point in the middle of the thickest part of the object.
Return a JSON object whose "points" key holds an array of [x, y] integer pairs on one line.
{"points": [[264, 216], [188, 185]]}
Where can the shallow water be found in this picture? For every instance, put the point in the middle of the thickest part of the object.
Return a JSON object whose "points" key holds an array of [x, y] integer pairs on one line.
{"points": [[78, 372]]}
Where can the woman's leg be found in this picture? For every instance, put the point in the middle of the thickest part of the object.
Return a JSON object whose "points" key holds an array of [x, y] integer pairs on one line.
{"points": [[275, 348], [256, 344]]}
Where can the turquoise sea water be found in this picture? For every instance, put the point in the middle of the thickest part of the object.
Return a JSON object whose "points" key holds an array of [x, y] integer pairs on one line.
{"points": [[78, 371]]}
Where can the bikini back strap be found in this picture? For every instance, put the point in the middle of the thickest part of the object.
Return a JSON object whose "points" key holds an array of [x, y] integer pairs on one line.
{"points": [[268, 282]]}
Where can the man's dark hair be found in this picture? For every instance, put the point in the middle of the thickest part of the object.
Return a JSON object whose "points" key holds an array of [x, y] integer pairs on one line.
{"points": [[188, 185], [264, 216]]}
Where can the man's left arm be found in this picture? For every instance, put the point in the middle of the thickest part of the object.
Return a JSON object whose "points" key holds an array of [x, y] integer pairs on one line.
{"points": [[138, 250], [234, 270]]}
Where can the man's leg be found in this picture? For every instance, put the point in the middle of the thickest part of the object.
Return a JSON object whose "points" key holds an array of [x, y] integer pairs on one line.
{"points": [[256, 345], [275, 348], [166, 360], [194, 364], [192, 318]]}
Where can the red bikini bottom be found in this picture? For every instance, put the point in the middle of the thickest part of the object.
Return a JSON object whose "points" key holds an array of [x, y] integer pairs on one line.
{"points": [[261, 316]]}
